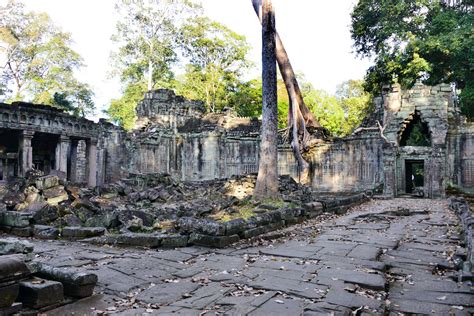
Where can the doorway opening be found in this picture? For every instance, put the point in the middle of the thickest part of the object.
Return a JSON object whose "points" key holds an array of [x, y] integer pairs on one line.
{"points": [[44, 151], [415, 177]]}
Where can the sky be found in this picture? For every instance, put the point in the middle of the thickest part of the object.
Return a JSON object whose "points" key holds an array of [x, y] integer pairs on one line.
{"points": [[316, 35]]}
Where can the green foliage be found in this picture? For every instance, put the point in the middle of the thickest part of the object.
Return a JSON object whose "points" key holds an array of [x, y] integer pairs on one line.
{"points": [[327, 110], [247, 98], [419, 39], [355, 102], [39, 61], [217, 58], [122, 110]]}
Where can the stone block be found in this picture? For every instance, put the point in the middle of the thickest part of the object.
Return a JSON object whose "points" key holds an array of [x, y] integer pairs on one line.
{"points": [[82, 232], [235, 226], [45, 232], [212, 241], [44, 214], [38, 293], [174, 241], [8, 294], [16, 219], [22, 231], [139, 239], [55, 195], [10, 246], [46, 182], [75, 283], [14, 309]]}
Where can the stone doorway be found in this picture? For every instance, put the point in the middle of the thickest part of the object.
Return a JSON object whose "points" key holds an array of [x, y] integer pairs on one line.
{"points": [[415, 177], [8, 154], [44, 151]]}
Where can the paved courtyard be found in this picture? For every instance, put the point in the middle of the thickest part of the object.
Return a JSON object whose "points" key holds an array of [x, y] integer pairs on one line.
{"points": [[384, 257]]}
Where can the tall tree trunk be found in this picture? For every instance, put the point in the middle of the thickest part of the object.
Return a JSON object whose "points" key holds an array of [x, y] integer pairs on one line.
{"points": [[150, 68], [267, 180], [150, 75], [299, 116]]}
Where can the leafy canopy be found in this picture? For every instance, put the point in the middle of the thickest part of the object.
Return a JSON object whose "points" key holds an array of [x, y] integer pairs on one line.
{"points": [[417, 39], [39, 62]]}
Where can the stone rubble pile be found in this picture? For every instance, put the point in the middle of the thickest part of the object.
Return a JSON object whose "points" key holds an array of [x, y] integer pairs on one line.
{"points": [[461, 207], [150, 209]]}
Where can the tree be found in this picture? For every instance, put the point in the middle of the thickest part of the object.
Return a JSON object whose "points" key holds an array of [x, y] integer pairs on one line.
{"points": [[419, 39], [217, 59], [247, 98], [147, 50], [122, 110], [328, 111], [39, 62], [355, 102], [300, 118], [267, 179]]}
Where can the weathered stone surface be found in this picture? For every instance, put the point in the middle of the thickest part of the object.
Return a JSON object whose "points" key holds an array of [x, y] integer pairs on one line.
{"points": [[46, 182], [139, 239], [44, 214], [45, 232], [82, 232], [10, 246], [173, 241], [75, 283], [14, 309], [17, 219], [235, 226], [22, 231], [8, 294], [212, 241], [167, 293], [12, 268], [38, 293]]}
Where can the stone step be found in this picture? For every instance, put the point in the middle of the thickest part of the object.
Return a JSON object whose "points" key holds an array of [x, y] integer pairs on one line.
{"points": [[76, 283], [38, 293]]}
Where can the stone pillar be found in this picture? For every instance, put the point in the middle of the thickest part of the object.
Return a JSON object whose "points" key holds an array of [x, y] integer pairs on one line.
{"points": [[62, 152], [26, 152], [92, 163]]}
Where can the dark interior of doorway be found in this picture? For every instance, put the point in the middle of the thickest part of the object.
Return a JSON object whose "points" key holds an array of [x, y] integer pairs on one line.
{"points": [[414, 177]]}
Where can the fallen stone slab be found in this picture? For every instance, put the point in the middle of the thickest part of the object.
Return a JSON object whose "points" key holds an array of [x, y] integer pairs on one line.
{"points": [[174, 241], [10, 245], [45, 232], [139, 239], [12, 268], [212, 241], [76, 283], [372, 281], [14, 309], [82, 232], [38, 293]]}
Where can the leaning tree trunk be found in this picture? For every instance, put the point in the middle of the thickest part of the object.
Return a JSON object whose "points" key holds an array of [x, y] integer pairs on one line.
{"points": [[267, 180], [299, 116]]}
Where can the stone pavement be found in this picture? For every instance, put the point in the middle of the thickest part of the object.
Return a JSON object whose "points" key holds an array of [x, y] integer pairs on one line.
{"points": [[384, 257]]}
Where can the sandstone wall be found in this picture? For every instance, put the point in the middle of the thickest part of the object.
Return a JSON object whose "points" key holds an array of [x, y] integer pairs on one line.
{"points": [[351, 164]]}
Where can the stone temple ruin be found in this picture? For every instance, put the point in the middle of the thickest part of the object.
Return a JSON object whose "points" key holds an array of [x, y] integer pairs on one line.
{"points": [[183, 177], [175, 136]]}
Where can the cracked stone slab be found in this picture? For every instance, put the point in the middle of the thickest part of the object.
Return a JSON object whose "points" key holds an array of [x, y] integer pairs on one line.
{"points": [[167, 293], [367, 280], [279, 305]]}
